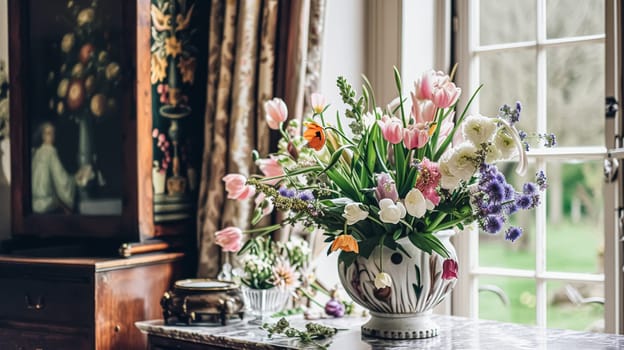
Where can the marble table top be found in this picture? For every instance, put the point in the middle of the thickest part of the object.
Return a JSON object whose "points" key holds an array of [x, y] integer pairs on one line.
{"points": [[455, 333]]}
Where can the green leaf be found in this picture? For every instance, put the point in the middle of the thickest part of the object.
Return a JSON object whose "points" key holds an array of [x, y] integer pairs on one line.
{"points": [[366, 246], [347, 258], [336, 157], [257, 216]]}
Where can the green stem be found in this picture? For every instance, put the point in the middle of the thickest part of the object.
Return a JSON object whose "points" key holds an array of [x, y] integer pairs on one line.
{"points": [[437, 221]]}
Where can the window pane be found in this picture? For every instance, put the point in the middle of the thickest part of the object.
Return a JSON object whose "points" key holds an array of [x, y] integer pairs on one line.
{"points": [[575, 229], [505, 21], [507, 299], [494, 250], [576, 94], [567, 18], [509, 77], [576, 306]]}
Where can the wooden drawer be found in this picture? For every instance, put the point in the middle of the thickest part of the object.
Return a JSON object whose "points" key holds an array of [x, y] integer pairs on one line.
{"points": [[58, 301], [30, 340]]}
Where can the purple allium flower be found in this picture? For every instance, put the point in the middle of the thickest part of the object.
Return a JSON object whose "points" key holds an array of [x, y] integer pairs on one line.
{"points": [[494, 209], [511, 209], [524, 201], [496, 191], [334, 308], [493, 224], [287, 192], [509, 192], [513, 233], [306, 195], [529, 188]]}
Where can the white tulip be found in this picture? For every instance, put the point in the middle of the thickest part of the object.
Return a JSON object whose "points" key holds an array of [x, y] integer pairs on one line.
{"points": [[415, 203], [354, 213], [391, 212], [383, 280], [479, 129]]}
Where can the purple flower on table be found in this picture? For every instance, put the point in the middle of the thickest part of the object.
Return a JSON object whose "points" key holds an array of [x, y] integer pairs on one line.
{"points": [[334, 308]]}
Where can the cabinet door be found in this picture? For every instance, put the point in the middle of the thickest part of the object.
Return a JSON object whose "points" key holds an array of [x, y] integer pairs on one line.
{"points": [[73, 139]]}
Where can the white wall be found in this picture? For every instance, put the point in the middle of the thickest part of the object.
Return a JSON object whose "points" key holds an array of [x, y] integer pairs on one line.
{"points": [[5, 190], [343, 54]]}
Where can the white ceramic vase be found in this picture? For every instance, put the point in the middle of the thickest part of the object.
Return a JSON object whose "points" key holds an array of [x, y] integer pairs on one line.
{"points": [[403, 310]]}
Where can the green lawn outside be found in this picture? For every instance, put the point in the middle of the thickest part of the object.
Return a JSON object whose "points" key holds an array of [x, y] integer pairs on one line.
{"points": [[571, 247]]}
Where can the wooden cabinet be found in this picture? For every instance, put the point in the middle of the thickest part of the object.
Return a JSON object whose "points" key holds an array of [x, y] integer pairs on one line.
{"points": [[82, 303]]}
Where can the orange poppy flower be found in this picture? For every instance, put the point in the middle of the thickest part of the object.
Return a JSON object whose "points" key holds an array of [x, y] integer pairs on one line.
{"points": [[345, 242], [315, 135]]}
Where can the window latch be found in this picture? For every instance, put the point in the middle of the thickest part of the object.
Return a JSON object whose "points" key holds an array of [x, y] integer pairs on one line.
{"points": [[611, 107]]}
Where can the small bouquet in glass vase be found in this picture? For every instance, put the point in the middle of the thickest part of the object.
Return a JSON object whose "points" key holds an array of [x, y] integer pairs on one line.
{"points": [[391, 187], [270, 271]]}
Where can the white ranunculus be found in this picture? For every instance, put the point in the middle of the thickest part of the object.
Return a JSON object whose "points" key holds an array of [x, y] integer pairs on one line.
{"points": [[391, 212], [505, 144], [354, 213], [415, 203], [463, 161], [448, 180], [383, 280], [479, 129]]}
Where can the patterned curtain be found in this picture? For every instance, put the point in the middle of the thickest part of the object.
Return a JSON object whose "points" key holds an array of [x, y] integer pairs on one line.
{"points": [[257, 50]]}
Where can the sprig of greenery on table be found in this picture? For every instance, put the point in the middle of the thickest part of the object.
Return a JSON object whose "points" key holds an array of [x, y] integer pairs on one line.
{"points": [[313, 331]]}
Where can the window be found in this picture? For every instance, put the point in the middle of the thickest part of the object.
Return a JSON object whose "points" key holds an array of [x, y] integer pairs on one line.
{"points": [[549, 54]]}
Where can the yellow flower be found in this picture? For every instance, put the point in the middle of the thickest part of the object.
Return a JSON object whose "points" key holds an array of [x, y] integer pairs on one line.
{"points": [[159, 69], [345, 242], [172, 46], [187, 68]]}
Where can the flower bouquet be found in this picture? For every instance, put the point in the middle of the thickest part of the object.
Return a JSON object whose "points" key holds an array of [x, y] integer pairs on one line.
{"points": [[388, 190], [270, 271]]}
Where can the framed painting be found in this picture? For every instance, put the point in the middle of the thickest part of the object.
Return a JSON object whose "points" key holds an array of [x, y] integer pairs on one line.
{"points": [[73, 135]]}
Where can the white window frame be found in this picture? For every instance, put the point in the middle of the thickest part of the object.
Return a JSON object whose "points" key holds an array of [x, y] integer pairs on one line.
{"points": [[465, 296]]}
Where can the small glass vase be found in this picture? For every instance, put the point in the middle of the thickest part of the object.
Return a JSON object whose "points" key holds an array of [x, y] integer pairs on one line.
{"points": [[262, 303]]}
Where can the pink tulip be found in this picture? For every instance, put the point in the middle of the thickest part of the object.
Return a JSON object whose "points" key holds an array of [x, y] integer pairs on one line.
{"points": [[386, 188], [318, 102], [449, 269], [237, 188], [270, 167], [446, 95], [230, 239], [436, 87], [415, 136], [423, 111], [391, 129], [276, 112]]}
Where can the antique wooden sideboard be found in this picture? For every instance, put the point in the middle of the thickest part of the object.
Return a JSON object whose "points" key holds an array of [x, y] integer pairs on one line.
{"points": [[82, 303]]}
